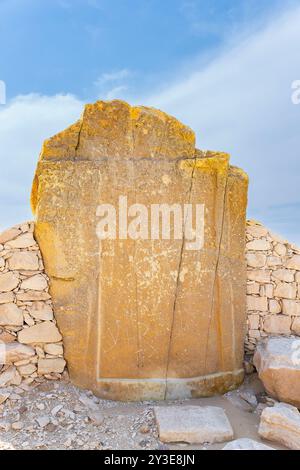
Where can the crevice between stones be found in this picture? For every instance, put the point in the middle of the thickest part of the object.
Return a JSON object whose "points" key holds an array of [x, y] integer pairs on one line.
{"points": [[177, 285], [215, 273]]}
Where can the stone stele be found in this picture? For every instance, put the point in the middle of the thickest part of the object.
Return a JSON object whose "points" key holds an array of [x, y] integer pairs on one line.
{"points": [[145, 318]]}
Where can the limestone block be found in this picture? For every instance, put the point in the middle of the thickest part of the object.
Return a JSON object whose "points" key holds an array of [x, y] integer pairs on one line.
{"points": [[253, 321], [291, 307], [25, 240], [41, 311], [10, 314], [256, 260], [259, 275], [259, 304], [48, 366], [285, 290], [277, 324], [274, 306], [296, 326], [294, 263], [283, 275], [133, 345], [26, 260], [278, 365], [8, 281], [193, 424], [9, 235], [14, 352], [7, 298], [45, 332], [37, 282], [281, 424], [259, 245]]}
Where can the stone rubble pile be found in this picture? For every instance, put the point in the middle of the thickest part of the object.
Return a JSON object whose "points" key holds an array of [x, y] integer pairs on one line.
{"points": [[31, 345], [273, 286]]}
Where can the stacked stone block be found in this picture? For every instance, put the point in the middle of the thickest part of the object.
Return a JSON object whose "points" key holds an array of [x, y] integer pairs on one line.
{"points": [[273, 285], [31, 347]]}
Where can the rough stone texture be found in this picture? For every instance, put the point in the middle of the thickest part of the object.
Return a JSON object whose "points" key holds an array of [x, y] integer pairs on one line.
{"points": [[277, 361], [281, 424], [161, 321], [246, 444], [273, 293], [193, 424], [22, 308]]}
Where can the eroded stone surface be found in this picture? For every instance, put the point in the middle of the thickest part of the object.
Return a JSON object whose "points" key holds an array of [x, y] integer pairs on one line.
{"points": [[136, 310], [277, 361], [281, 424]]}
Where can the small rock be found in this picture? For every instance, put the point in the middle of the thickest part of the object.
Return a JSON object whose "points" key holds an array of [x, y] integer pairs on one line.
{"points": [[17, 426], [43, 421], [246, 444], [96, 417]]}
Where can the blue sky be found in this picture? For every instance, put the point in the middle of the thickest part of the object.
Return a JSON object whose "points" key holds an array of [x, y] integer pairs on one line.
{"points": [[225, 67]]}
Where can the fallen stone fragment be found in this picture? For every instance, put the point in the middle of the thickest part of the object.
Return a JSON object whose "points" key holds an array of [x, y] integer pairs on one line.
{"points": [[8, 376], [277, 361], [45, 332], [246, 444], [193, 424], [4, 397], [281, 424]]}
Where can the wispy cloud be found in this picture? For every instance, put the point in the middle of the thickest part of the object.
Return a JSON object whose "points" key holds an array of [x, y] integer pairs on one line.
{"points": [[241, 102], [111, 85]]}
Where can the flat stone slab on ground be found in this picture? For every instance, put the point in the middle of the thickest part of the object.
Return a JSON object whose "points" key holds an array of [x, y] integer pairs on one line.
{"points": [[246, 444], [193, 424], [281, 424]]}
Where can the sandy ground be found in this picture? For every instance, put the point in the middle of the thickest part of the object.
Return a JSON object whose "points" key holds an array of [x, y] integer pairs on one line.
{"points": [[60, 416]]}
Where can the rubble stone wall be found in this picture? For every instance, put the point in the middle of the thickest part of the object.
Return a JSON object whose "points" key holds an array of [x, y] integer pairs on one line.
{"points": [[31, 347], [273, 286]]}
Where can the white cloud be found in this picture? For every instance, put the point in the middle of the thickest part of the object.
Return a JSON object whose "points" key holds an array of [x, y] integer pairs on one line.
{"points": [[241, 102], [112, 77], [24, 124]]}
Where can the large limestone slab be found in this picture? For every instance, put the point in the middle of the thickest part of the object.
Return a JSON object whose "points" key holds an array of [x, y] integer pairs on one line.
{"points": [[142, 318], [281, 424], [193, 424], [277, 361]]}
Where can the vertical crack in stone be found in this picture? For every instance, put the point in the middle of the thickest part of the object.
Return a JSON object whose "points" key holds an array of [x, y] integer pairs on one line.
{"points": [[79, 136], [215, 275], [177, 284]]}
